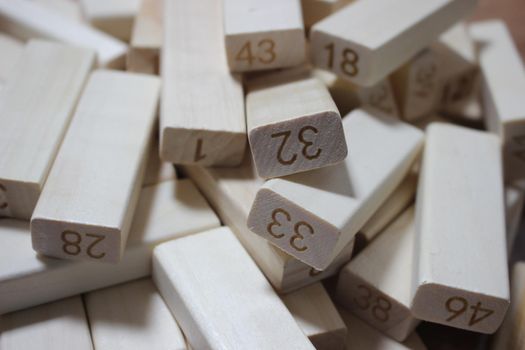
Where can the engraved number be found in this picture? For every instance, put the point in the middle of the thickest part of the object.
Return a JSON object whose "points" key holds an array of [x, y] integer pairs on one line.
{"points": [[348, 63], [268, 52], [275, 222], [459, 89], [380, 308], [425, 80], [458, 305], [72, 242], [308, 144], [297, 237], [3, 200], [280, 159], [307, 153], [378, 99]]}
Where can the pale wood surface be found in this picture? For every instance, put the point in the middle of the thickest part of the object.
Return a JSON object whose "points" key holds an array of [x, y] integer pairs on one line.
{"points": [[202, 106], [378, 45], [146, 38], [114, 17], [460, 166], [26, 20], [293, 124], [67, 8], [169, 210], [316, 10], [157, 171], [132, 316], [317, 317], [38, 102], [376, 285], [263, 34], [220, 298], [94, 185], [290, 211], [514, 198], [61, 325], [12, 50]]}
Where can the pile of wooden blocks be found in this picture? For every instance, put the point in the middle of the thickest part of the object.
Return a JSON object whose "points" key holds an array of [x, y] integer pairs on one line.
{"points": [[377, 145]]}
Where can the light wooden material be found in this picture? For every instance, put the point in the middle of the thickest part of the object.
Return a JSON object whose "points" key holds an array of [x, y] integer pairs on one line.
{"points": [[61, 325], [202, 106], [26, 20], [514, 199], [376, 285], [231, 191], [114, 17], [220, 298], [316, 10], [167, 211], [132, 316], [317, 317], [263, 34], [157, 171], [86, 207], [37, 105], [146, 39], [418, 86], [461, 258], [293, 124], [291, 212], [503, 91], [67, 8], [12, 50], [359, 43]]}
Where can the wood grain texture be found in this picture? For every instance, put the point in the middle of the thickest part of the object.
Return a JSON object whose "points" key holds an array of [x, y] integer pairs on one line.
{"points": [[86, 207], [231, 191], [132, 316], [514, 200], [38, 102], [202, 106], [376, 285], [166, 211], [27, 20], [12, 50], [316, 10], [290, 211], [317, 317], [465, 285], [263, 34], [220, 298], [359, 43], [146, 39], [503, 91], [293, 124], [114, 17], [61, 325]]}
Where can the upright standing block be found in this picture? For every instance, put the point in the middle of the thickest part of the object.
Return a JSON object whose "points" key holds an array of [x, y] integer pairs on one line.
{"points": [[114, 17], [12, 50], [132, 316], [87, 205], [27, 20], [202, 110], [376, 285], [503, 91], [263, 34], [293, 124], [362, 43], [460, 275], [61, 325], [314, 215], [220, 298], [37, 105], [317, 317]]}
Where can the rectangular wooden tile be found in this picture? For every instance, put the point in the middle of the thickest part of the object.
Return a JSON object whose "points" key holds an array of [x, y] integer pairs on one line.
{"points": [[114, 17], [132, 316], [359, 43], [460, 269], [220, 298], [202, 106], [338, 200], [38, 102], [166, 211], [67, 8], [12, 50]]}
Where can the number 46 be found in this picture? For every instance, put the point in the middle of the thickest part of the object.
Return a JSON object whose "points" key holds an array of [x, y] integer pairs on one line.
{"points": [[452, 306]]}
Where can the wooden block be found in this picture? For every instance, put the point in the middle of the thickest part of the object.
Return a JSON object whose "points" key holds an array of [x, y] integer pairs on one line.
{"points": [[338, 200], [34, 119], [503, 91], [157, 171], [362, 336], [465, 284], [61, 325], [146, 39], [514, 198], [231, 191], [316, 10], [293, 124], [359, 43], [265, 34], [167, 211], [417, 85], [202, 106], [12, 50], [66, 8], [114, 17], [344, 93], [317, 317], [86, 207], [219, 297], [27, 20], [132, 316], [376, 285]]}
